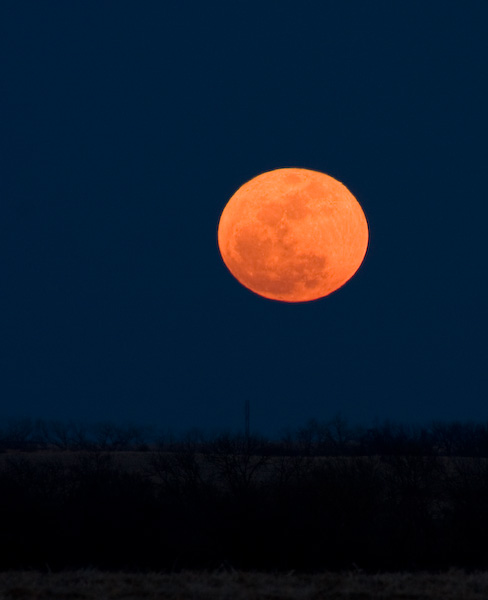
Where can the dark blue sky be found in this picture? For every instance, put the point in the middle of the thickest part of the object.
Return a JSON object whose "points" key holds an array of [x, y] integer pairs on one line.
{"points": [[125, 129]]}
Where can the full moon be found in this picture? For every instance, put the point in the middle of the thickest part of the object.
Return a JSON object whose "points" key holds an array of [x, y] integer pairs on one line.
{"points": [[293, 235]]}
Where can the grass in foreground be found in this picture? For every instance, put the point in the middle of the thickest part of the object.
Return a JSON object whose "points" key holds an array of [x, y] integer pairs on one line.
{"points": [[95, 585]]}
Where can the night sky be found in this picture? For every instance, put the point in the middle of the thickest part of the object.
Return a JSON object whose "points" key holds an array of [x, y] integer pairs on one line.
{"points": [[125, 129]]}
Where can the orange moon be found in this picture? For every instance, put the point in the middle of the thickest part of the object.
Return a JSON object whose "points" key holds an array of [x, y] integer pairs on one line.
{"points": [[293, 235]]}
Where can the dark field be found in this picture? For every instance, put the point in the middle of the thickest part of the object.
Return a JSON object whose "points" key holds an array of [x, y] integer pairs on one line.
{"points": [[93, 585], [254, 506]]}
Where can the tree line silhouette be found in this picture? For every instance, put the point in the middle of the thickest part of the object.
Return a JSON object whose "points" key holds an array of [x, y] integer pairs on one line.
{"points": [[324, 496], [331, 438]]}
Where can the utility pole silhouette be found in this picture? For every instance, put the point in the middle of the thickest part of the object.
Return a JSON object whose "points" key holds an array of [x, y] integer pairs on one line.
{"points": [[247, 415]]}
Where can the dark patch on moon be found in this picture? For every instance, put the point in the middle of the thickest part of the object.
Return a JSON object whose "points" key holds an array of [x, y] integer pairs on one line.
{"points": [[273, 265], [271, 214], [293, 206]]}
